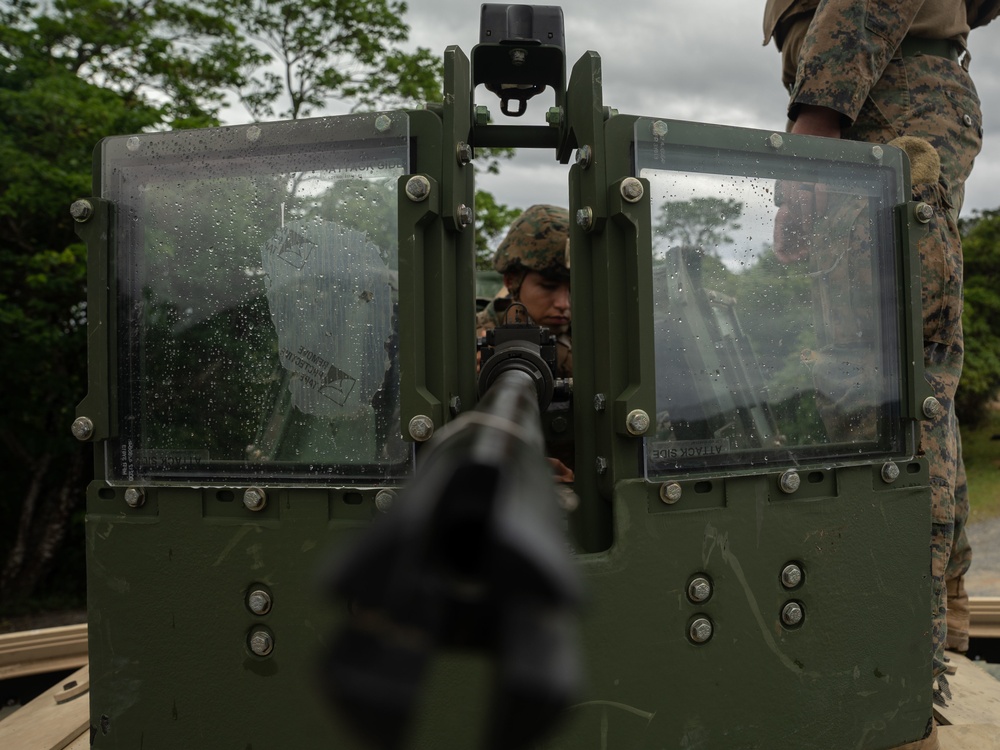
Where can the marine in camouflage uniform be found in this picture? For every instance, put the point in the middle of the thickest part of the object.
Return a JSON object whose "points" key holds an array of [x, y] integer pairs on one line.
{"points": [[887, 70], [538, 241]]}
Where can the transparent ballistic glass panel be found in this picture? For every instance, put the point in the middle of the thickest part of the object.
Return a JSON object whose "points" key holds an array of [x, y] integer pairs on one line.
{"points": [[776, 329], [257, 299]]}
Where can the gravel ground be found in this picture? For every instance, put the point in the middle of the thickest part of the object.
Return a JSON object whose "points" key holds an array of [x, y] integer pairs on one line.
{"points": [[983, 578]]}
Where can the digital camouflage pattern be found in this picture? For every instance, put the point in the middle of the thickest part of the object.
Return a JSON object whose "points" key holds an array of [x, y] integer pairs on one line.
{"points": [[846, 61], [538, 240]]}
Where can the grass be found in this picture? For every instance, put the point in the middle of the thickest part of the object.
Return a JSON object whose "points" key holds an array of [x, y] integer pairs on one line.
{"points": [[981, 450]]}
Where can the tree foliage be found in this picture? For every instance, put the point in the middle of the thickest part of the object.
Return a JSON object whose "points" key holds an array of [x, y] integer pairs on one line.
{"points": [[704, 223], [981, 317]]}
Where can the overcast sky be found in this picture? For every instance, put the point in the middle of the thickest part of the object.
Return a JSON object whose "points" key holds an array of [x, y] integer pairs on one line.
{"points": [[680, 60]]}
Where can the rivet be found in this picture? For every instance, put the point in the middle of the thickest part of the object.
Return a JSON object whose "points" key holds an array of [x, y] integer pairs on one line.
{"points": [[81, 210], [421, 428], [584, 156], [585, 218], [464, 215], [877, 153], [932, 408], [259, 602], [637, 422], [700, 630], [601, 465], [418, 188], [890, 472], [659, 128], [775, 140], [699, 590], [134, 497], [789, 481], [384, 500], [463, 153], [383, 123], [792, 614], [255, 499], [261, 642], [924, 212], [670, 492], [82, 428], [631, 190], [791, 576]]}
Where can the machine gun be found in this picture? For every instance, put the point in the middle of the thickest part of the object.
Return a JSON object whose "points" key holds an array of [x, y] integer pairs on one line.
{"points": [[263, 387]]}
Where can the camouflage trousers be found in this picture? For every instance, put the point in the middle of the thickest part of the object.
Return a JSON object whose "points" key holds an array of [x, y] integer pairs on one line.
{"points": [[934, 98]]}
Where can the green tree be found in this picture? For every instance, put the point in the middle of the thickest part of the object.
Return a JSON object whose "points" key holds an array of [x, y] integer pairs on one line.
{"points": [[981, 317], [492, 220], [704, 223]]}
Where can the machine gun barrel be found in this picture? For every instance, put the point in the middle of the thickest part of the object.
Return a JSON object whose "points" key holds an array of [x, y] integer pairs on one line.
{"points": [[473, 555]]}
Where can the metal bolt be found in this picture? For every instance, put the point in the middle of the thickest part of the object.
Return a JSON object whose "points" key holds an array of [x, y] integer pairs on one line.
{"points": [[253, 133], [924, 212], [601, 464], [133, 143], [584, 156], [518, 56], [877, 153], [700, 630], [463, 152], [261, 642], [134, 497], [585, 218], [792, 614], [464, 215], [82, 428], [659, 128], [637, 422], [791, 576], [81, 210], [384, 500], [482, 115], [775, 140], [255, 499], [418, 188], [699, 590], [421, 428], [631, 190], [932, 408], [554, 116], [383, 123], [670, 492], [259, 602], [600, 402], [610, 112], [890, 472], [789, 481], [455, 406]]}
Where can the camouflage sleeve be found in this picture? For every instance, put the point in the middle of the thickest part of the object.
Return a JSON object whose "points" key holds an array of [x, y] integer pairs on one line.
{"points": [[848, 46]]}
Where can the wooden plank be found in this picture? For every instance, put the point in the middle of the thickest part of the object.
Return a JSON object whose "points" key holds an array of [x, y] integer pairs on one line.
{"points": [[984, 616], [44, 724], [969, 737], [975, 696], [48, 650]]}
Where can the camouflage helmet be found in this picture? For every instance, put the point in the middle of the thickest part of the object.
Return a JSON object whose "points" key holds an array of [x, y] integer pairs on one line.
{"points": [[538, 240]]}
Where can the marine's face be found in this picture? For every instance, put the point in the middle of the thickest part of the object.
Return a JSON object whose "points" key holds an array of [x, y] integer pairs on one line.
{"points": [[546, 300]]}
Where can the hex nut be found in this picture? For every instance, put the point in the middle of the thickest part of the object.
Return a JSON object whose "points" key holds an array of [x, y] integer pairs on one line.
{"points": [[792, 614], [585, 218], [924, 212], [775, 140], [464, 215], [660, 128], [670, 492], [877, 153], [890, 472], [81, 210], [700, 630], [463, 153], [600, 402], [261, 642], [255, 499], [421, 428], [932, 408], [82, 428], [384, 500], [134, 497], [789, 482], [259, 601], [554, 116], [791, 576], [418, 188], [601, 465], [632, 190], [383, 122], [637, 422], [699, 590], [584, 156]]}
